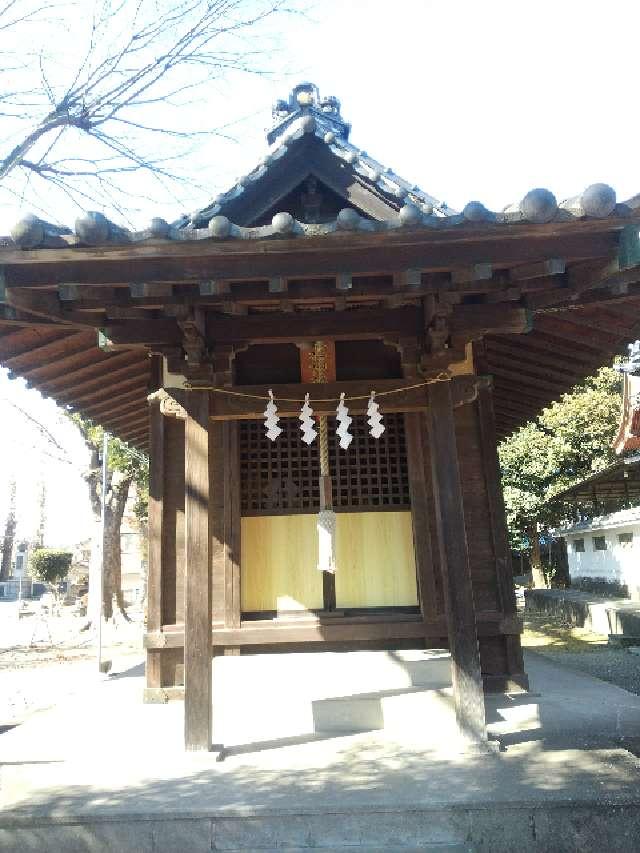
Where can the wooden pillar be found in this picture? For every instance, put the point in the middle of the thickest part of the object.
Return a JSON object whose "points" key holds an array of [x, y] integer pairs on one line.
{"points": [[197, 601], [497, 517], [425, 569], [498, 525], [231, 529], [461, 621], [154, 575]]}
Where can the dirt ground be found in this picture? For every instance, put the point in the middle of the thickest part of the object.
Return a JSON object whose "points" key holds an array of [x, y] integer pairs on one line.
{"points": [[46, 658]]}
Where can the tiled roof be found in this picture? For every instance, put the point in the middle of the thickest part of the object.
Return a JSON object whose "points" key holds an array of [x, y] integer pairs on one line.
{"points": [[306, 114]]}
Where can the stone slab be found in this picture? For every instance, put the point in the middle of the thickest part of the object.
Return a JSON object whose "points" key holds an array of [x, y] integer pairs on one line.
{"points": [[600, 615], [571, 827], [115, 775]]}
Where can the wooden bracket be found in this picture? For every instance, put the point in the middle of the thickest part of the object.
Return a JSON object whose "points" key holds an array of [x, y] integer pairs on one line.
{"points": [[408, 280], [222, 358], [278, 284], [191, 323], [464, 389], [169, 406], [475, 272], [214, 288]]}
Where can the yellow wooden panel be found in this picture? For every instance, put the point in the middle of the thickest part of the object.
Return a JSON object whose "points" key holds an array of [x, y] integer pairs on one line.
{"points": [[375, 560], [279, 555]]}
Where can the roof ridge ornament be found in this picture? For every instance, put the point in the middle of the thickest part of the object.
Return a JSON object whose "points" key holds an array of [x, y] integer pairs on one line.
{"points": [[305, 100]]}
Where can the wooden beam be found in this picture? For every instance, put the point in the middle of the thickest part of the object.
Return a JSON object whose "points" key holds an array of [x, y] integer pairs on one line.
{"points": [[389, 252], [133, 401], [324, 397], [107, 391], [533, 352], [567, 327], [135, 434], [229, 407], [138, 415], [475, 272], [506, 408], [547, 342], [81, 355], [520, 376], [89, 389], [197, 603], [528, 396], [338, 630], [538, 269], [466, 322], [43, 348], [92, 366], [131, 425], [482, 319], [140, 333], [333, 630], [461, 619], [45, 305]]}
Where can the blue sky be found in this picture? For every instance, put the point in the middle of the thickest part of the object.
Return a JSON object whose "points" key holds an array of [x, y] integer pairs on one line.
{"points": [[470, 100]]}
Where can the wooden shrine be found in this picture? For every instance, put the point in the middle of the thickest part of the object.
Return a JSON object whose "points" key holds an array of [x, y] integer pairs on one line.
{"points": [[323, 273]]}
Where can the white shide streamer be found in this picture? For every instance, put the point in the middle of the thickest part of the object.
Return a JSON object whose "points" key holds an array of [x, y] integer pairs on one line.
{"points": [[271, 419], [344, 422], [307, 424], [376, 427]]}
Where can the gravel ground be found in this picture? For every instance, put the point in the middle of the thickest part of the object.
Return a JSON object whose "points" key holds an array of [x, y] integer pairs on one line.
{"points": [[618, 666]]}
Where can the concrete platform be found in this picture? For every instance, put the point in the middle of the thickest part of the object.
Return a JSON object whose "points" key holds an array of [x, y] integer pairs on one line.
{"points": [[105, 772]]}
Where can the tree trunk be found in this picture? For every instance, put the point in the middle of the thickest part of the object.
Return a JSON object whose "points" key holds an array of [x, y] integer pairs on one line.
{"points": [[112, 578], [537, 572], [9, 533]]}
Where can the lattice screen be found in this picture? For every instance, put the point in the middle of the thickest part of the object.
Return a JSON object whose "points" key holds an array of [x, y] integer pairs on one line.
{"points": [[281, 477]]}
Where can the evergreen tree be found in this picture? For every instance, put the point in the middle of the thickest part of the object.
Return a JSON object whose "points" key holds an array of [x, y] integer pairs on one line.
{"points": [[566, 443]]}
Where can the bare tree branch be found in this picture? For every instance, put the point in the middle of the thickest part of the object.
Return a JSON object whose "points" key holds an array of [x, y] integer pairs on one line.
{"points": [[136, 59]]}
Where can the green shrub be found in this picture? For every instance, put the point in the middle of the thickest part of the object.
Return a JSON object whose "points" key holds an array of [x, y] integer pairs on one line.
{"points": [[50, 564]]}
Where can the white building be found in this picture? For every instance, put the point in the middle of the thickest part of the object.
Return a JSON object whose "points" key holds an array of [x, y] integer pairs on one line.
{"points": [[606, 547], [19, 584]]}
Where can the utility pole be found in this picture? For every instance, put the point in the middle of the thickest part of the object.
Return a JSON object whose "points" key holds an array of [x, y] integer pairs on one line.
{"points": [[103, 498]]}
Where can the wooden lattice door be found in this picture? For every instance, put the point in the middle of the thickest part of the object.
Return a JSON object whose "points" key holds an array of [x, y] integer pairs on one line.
{"points": [[280, 499]]}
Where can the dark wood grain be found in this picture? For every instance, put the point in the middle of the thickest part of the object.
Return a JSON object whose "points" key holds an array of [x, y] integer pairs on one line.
{"points": [[414, 427], [450, 521], [197, 610]]}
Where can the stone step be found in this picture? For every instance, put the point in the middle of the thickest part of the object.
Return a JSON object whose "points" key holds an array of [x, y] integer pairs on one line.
{"points": [[560, 825], [429, 848], [403, 711]]}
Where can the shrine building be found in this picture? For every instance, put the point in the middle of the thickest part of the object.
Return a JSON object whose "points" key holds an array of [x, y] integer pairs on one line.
{"points": [[415, 337]]}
